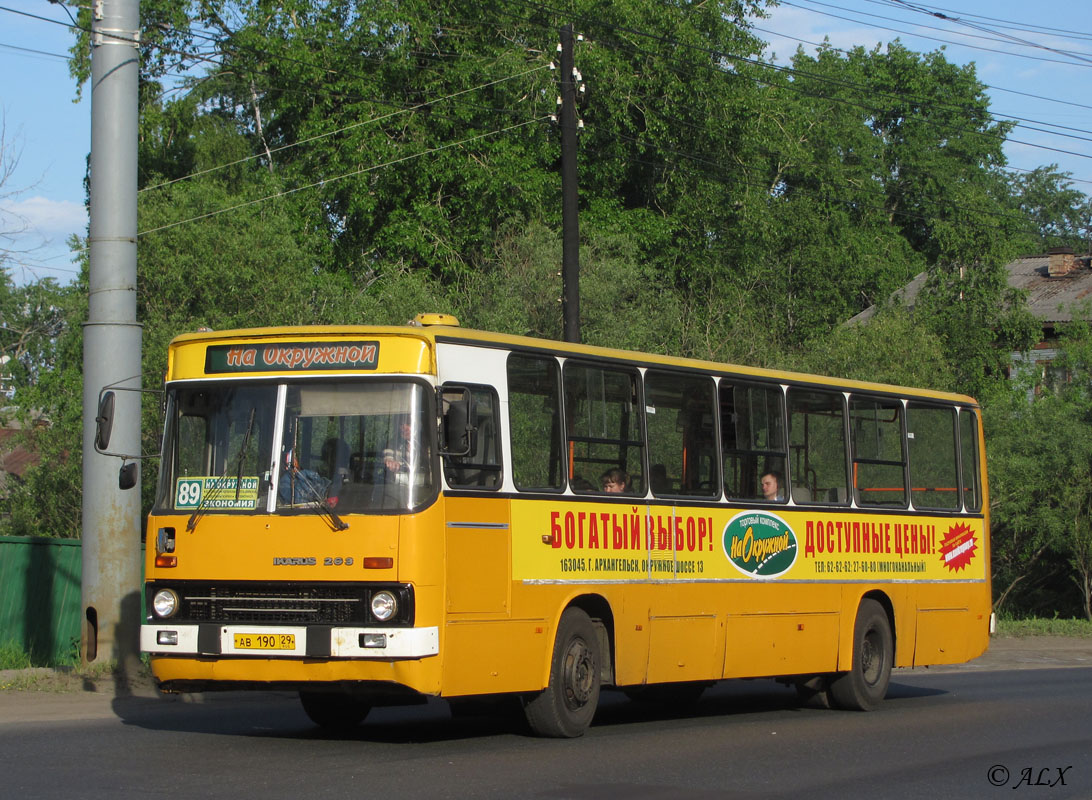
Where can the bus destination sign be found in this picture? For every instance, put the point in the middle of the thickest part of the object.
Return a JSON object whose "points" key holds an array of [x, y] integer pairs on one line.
{"points": [[291, 356]]}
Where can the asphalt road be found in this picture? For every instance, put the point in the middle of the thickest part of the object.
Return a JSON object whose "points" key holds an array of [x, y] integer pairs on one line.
{"points": [[1017, 722]]}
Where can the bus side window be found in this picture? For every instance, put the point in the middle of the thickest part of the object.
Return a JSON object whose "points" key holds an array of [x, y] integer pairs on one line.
{"points": [[969, 458], [603, 427], [470, 421], [817, 444], [681, 444], [534, 422], [752, 430], [879, 460], [931, 442]]}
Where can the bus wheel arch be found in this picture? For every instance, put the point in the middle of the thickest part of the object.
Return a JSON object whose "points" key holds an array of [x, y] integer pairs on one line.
{"points": [[599, 610], [864, 686]]}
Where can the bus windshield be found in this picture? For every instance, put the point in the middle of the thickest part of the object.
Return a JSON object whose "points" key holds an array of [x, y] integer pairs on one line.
{"points": [[352, 447]]}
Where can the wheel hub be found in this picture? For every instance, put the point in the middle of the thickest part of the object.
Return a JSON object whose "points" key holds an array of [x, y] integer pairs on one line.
{"points": [[579, 675]]}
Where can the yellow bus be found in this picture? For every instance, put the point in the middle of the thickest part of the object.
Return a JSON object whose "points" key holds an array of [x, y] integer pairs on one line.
{"points": [[375, 515]]}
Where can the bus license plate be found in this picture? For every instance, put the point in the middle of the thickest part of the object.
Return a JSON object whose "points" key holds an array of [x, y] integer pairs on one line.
{"points": [[265, 641]]}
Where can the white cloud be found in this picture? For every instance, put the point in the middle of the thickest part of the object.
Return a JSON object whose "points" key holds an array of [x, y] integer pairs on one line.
{"points": [[34, 234], [48, 220]]}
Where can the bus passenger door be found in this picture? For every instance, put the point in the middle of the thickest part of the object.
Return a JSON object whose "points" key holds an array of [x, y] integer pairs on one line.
{"points": [[477, 538], [477, 532]]}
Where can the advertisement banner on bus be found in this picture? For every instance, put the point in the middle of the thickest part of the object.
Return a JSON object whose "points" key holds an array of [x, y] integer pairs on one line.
{"points": [[584, 542]]}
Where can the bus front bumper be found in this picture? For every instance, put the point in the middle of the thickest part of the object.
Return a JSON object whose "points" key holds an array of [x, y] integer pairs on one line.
{"points": [[288, 641]]}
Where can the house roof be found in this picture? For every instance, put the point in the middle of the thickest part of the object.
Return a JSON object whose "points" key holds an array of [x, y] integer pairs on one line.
{"points": [[1050, 298], [15, 458]]}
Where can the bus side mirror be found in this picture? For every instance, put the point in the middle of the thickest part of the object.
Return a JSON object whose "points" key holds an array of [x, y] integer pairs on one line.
{"points": [[127, 476], [104, 422], [104, 428], [459, 436]]}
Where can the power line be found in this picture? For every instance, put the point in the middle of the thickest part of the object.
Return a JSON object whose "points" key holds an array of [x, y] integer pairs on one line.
{"points": [[325, 181], [992, 113], [794, 86], [346, 128], [1000, 38], [662, 39], [796, 73], [665, 40], [820, 45], [35, 52], [1022, 26], [220, 50], [962, 19], [924, 36]]}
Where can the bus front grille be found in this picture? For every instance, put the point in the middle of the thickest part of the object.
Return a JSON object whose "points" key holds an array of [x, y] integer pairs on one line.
{"points": [[281, 603]]}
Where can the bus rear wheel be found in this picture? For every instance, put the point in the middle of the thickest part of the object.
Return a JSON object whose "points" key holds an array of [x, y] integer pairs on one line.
{"points": [[864, 687], [564, 709], [334, 711]]}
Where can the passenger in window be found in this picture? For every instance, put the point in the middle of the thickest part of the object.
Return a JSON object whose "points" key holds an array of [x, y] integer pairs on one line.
{"points": [[397, 460], [580, 484], [300, 485], [771, 484], [614, 481]]}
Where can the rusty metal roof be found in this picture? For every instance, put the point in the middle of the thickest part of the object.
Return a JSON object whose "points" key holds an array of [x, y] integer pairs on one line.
{"points": [[1053, 299]]}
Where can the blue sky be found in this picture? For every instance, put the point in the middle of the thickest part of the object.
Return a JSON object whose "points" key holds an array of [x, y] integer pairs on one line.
{"points": [[1046, 80], [47, 135]]}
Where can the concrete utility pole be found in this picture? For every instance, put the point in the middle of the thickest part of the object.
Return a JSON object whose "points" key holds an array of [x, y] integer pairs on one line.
{"points": [[570, 227], [111, 344]]}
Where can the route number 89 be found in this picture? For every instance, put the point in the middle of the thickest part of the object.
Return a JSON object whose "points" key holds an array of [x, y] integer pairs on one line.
{"points": [[189, 494]]}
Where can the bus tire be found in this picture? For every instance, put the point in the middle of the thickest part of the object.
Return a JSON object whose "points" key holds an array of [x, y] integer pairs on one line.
{"points": [[334, 711], [564, 709], [864, 687]]}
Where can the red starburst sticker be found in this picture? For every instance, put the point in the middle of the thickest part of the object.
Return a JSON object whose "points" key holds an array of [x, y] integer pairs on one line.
{"points": [[958, 547]]}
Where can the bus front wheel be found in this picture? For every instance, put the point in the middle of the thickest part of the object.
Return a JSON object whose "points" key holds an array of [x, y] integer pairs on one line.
{"points": [[864, 687], [564, 709]]}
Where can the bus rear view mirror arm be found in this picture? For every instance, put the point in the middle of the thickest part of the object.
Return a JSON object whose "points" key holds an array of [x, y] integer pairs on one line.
{"points": [[104, 428]]}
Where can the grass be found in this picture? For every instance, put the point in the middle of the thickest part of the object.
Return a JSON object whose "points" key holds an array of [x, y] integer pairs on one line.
{"points": [[19, 672], [12, 656], [1044, 627]]}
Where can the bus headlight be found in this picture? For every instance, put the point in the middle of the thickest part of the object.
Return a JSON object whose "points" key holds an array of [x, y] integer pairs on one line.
{"points": [[384, 606], [165, 603]]}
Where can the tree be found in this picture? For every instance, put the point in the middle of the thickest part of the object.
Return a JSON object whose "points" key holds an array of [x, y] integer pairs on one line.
{"points": [[865, 168], [1058, 213], [10, 224], [980, 319], [1040, 448], [41, 335], [418, 127], [893, 347]]}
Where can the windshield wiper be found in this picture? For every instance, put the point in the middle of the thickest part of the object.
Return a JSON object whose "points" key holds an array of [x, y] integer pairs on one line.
{"points": [[242, 453], [221, 482], [326, 511]]}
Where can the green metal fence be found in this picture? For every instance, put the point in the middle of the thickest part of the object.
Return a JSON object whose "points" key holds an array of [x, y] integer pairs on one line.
{"points": [[40, 596]]}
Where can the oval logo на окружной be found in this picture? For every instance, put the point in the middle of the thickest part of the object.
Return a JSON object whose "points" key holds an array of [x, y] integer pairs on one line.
{"points": [[760, 544]]}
